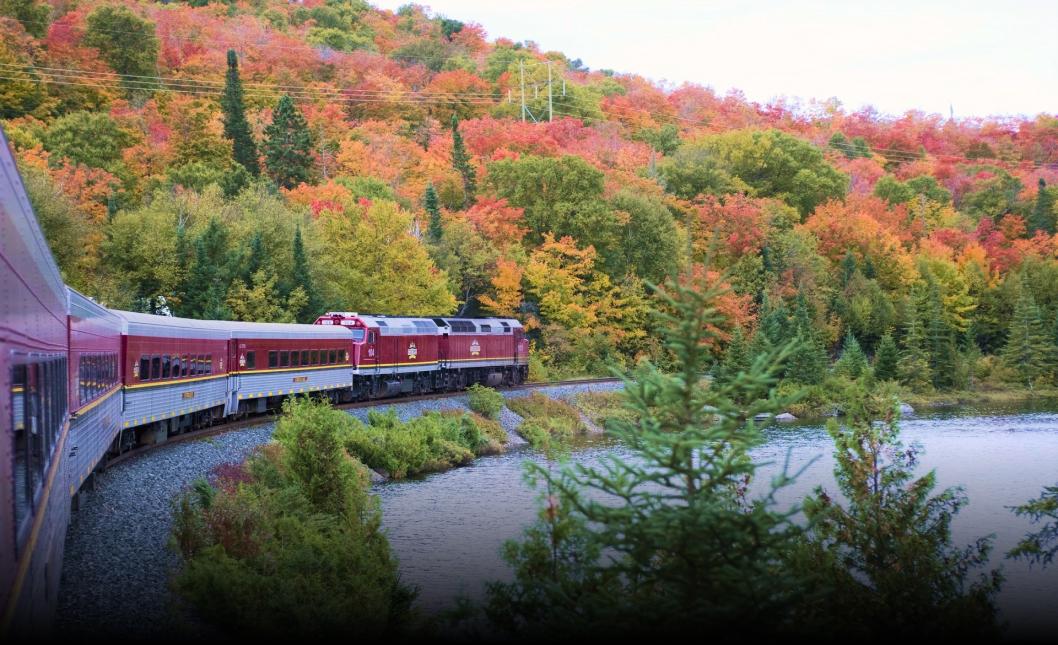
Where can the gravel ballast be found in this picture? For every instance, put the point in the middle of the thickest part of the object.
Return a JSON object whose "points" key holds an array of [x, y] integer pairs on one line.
{"points": [[117, 564]]}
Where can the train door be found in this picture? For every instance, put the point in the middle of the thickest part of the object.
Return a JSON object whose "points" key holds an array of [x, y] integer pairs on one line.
{"points": [[369, 355]]}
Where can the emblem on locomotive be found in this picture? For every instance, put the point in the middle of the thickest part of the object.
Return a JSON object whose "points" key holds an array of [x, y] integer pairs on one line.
{"points": [[413, 351], [475, 349]]}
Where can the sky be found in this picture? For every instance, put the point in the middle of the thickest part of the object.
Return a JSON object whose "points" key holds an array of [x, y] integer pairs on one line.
{"points": [[971, 57]]}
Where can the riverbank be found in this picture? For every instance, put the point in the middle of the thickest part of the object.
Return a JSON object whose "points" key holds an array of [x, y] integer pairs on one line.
{"points": [[117, 564], [821, 401]]}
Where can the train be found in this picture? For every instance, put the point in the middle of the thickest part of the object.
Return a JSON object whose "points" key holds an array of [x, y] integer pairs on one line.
{"points": [[82, 383]]}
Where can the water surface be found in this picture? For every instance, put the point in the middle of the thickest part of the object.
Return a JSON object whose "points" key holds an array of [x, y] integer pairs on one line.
{"points": [[448, 528]]}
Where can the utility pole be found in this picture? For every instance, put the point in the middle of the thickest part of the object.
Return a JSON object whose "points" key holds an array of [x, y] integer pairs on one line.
{"points": [[550, 111], [521, 77]]}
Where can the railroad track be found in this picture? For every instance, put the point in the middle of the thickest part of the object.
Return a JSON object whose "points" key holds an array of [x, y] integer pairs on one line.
{"points": [[267, 417]]}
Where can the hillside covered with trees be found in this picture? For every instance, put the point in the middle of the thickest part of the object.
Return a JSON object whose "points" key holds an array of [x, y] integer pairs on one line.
{"points": [[271, 160]]}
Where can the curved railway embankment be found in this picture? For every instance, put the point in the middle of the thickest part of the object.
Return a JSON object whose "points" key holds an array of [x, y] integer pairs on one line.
{"points": [[115, 579]]}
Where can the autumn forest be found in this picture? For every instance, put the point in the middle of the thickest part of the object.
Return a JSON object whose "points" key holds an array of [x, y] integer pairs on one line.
{"points": [[269, 161]]}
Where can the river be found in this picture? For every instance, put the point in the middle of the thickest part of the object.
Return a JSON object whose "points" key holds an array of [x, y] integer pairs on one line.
{"points": [[448, 528]]}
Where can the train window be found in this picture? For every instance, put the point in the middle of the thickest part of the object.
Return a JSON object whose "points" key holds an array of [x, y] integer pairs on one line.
{"points": [[305, 357], [284, 359], [167, 366], [331, 355], [273, 359], [314, 357], [187, 366], [19, 418], [156, 367], [177, 367], [486, 327], [209, 364], [341, 355], [295, 359], [251, 360], [358, 335], [370, 336], [38, 411]]}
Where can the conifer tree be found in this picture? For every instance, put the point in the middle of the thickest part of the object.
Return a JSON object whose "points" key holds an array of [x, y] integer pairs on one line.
{"points": [[736, 357], [254, 258], [236, 128], [433, 211], [913, 366], [288, 145], [808, 359], [848, 267], [685, 552], [940, 341], [302, 278], [462, 165], [1042, 217], [883, 550], [1028, 352], [853, 362], [886, 358], [208, 277]]}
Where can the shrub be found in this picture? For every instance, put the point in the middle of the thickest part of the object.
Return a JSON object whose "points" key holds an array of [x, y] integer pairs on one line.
{"points": [[290, 544], [485, 401]]}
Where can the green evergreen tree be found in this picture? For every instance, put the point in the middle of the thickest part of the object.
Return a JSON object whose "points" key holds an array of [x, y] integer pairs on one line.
{"points": [[236, 126], [736, 358], [1042, 217], [288, 145], [882, 550], [686, 551], [209, 275], [302, 278], [808, 359], [254, 259], [848, 267], [914, 364], [940, 340], [462, 165], [1028, 352], [853, 362], [886, 358], [183, 260], [433, 211]]}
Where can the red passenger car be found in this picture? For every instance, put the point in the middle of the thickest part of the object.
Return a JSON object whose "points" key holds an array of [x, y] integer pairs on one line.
{"points": [[34, 415], [94, 385], [175, 374]]}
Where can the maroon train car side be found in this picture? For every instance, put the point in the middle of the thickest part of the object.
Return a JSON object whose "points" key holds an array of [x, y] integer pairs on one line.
{"points": [[34, 419]]}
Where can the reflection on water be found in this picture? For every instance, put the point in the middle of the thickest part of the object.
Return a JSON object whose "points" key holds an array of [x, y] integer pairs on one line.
{"points": [[448, 528]]}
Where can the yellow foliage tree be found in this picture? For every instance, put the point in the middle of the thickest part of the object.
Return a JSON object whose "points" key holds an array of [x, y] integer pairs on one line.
{"points": [[374, 263], [507, 284]]}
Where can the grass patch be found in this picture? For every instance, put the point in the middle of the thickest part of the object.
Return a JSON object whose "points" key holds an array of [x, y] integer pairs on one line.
{"points": [[434, 441], [600, 407], [546, 419]]}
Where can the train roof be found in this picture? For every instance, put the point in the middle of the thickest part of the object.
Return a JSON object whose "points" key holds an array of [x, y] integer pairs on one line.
{"points": [[284, 330], [22, 244], [401, 325], [81, 306], [137, 324], [170, 326]]}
